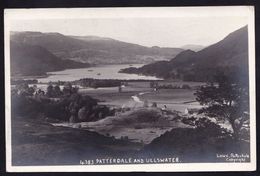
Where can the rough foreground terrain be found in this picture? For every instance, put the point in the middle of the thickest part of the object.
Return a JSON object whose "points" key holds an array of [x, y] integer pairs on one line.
{"points": [[38, 143]]}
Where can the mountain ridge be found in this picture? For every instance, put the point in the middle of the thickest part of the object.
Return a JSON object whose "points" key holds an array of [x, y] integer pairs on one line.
{"points": [[32, 60], [230, 53], [94, 49]]}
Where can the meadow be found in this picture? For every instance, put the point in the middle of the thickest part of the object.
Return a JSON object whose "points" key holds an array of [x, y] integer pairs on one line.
{"points": [[175, 98]]}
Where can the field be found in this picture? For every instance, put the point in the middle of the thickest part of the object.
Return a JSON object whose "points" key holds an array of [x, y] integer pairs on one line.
{"points": [[174, 99]]}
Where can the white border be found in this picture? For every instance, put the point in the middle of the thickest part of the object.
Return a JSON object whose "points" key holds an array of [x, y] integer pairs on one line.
{"points": [[76, 13]]}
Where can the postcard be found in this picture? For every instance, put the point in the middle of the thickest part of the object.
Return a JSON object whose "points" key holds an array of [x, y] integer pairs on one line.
{"points": [[130, 89]]}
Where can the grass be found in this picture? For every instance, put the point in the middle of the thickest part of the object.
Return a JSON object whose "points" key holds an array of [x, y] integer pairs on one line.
{"points": [[35, 142], [139, 124], [174, 98]]}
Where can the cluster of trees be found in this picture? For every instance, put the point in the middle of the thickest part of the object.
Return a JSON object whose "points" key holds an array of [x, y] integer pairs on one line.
{"points": [[154, 84], [23, 89], [170, 86], [95, 83], [22, 81], [53, 91], [65, 105], [227, 98], [56, 92]]}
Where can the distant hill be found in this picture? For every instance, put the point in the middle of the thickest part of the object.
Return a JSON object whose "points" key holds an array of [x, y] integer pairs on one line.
{"points": [[93, 49], [35, 60], [91, 38], [229, 54], [193, 47]]}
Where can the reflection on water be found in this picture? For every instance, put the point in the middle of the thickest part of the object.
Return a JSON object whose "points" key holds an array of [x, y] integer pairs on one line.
{"points": [[98, 72]]}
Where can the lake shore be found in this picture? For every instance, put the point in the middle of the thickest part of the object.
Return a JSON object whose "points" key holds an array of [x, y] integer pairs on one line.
{"points": [[96, 72]]}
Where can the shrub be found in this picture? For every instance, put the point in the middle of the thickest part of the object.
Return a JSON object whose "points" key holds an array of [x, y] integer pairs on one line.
{"points": [[189, 121], [207, 128]]}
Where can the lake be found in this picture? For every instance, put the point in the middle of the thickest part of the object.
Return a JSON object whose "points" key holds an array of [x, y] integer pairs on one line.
{"points": [[97, 72]]}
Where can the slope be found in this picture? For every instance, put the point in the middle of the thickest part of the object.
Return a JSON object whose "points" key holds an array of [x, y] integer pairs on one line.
{"points": [[231, 53], [93, 49], [35, 60]]}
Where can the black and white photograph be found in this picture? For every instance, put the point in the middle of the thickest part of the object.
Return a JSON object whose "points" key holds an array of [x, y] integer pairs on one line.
{"points": [[130, 89]]}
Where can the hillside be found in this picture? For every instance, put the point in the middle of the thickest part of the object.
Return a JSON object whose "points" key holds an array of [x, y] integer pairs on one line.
{"points": [[36, 60], [194, 145], [134, 124], [37, 142], [93, 49], [229, 54]]}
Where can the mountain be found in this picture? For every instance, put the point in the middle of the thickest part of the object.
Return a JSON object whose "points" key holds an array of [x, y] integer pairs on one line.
{"points": [[92, 38], [193, 47], [36, 60], [93, 49], [228, 55]]}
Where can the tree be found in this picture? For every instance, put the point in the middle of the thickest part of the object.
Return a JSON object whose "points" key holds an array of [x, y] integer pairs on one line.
{"points": [[67, 88], [23, 89], [50, 91], [227, 99], [56, 91]]}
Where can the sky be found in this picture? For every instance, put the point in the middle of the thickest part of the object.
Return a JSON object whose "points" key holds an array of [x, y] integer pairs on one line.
{"points": [[154, 31]]}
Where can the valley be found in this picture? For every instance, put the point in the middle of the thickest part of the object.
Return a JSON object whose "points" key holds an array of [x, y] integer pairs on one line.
{"points": [[87, 97]]}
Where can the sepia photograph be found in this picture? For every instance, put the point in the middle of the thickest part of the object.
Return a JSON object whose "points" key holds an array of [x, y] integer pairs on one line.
{"points": [[130, 89]]}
